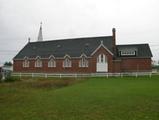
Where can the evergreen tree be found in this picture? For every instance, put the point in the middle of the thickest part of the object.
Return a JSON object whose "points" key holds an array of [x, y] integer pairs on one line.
{"points": [[8, 64]]}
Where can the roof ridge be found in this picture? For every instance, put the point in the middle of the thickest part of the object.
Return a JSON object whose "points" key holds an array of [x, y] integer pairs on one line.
{"points": [[71, 39]]}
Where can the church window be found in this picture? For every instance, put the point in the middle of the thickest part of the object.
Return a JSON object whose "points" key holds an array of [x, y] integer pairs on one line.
{"points": [[83, 62], [67, 62], [38, 62], [128, 53], [52, 63], [101, 58], [26, 63]]}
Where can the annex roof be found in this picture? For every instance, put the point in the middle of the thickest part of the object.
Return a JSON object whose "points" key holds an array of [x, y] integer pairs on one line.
{"points": [[143, 50]]}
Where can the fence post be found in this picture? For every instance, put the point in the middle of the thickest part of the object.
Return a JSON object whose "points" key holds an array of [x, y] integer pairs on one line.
{"points": [[20, 75], [150, 74], [32, 75], [75, 75], [60, 76], [136, 75], [107, 75], [121, 75], [46, 75]]}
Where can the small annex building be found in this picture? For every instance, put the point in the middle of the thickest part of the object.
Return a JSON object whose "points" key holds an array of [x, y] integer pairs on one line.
{"points": [[82, 55]]}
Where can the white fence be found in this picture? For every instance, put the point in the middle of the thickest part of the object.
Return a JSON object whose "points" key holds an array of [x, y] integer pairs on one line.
{"points": [[47, 75]]}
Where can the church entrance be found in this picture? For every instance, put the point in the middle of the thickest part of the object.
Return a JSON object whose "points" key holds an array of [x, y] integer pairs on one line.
{"points": [[102, 63]]}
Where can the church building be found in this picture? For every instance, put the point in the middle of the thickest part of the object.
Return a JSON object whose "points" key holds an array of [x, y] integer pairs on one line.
{"points": [[82, 55]]}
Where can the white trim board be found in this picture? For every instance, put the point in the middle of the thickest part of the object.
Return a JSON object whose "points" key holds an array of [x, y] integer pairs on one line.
{"points": [[101, 45]]}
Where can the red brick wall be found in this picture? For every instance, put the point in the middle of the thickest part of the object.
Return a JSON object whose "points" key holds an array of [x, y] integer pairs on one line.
{"points": [[109, 58], [18, 66], [125, 65], [136, 64], [116, 66]]}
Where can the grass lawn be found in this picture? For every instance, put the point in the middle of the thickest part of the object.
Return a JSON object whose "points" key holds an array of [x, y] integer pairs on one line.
{"points": [[126, 98]]}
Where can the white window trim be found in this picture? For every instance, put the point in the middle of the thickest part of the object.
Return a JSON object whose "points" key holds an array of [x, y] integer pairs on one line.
{"points": [[127, 53], [67, 62], [83, 62], [101, 59], [101, 45], [51, 57], [51, 63], [38, 63], [26, 63]]}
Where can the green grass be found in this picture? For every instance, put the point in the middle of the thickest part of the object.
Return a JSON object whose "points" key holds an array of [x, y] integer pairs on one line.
{"points": [[126, 98]]}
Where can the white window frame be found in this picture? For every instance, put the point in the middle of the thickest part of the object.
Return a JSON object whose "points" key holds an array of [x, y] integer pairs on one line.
{"points": [[51, 63], [101, 58], [83, 62], [67, 62], [127, 53], [38, 63], [26, 63]]}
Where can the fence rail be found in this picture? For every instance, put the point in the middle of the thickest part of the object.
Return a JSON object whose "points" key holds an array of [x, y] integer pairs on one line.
{"points": [[59, 75]]}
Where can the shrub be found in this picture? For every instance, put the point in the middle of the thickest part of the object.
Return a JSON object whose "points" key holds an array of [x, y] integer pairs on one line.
{"points": [[42, 84], [51, 83], [12, 79], [62, 83]]}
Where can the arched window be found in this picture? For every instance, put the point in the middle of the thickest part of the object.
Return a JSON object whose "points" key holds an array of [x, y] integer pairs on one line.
{"points": [[38, 62], [67, 62], [83, 62], [26, 62], [52, 63], [101, 58]]}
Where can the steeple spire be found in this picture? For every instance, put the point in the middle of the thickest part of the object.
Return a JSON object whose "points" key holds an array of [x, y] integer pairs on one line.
{"points": [[40, 35]]}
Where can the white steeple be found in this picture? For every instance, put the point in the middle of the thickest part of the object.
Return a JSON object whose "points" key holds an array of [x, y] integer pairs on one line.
{"points": [[40, 35]]}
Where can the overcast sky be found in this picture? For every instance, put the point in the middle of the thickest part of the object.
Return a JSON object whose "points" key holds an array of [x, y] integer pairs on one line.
{"points": [[136, 21]]}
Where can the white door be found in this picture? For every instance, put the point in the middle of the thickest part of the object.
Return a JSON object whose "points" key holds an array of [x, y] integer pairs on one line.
{"points": [[102, 63]]}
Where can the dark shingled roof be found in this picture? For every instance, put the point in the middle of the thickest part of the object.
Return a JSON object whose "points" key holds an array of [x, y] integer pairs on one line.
{"points": [[143, 50], [59, 48], [77, 46]]}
